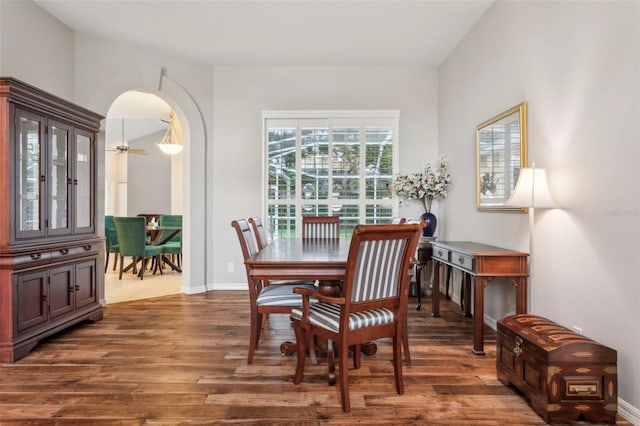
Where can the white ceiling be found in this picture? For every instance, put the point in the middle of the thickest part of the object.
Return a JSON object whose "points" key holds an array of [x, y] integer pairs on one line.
{"points": [[280, 32]]}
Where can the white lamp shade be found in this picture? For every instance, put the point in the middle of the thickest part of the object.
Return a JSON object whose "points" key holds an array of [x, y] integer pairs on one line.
{"points": [[170, 149], [171, 143], [531, 190]]}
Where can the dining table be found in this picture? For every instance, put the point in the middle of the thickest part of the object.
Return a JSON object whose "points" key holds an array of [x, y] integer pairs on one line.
{"points": [[319, 259], [324, 260]]}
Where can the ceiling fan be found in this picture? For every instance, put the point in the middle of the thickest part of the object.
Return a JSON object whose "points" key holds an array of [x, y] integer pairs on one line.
{"points": [[123, 148]]}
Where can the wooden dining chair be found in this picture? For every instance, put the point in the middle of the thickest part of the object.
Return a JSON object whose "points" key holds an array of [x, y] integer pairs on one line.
{"points": [[259, 232], [260, 236], [321, 227], [373, 303], [132, 238], [264, 297]]}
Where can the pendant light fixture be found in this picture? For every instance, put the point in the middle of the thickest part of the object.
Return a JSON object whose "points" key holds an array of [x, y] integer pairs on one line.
{"points": [[171, 143]]}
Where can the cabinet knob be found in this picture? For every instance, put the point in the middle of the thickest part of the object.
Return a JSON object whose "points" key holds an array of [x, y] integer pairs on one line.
{"points": [[461, 260], [42, 178], [87, 247], [64, 251], [36, 256], [77, 287], [44, 297], [75, 181], [439, 252]]}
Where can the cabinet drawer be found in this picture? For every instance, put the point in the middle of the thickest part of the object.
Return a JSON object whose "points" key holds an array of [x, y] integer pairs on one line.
{"points": [[440, 253], [462, 261], [31, 259], [75, 251]]}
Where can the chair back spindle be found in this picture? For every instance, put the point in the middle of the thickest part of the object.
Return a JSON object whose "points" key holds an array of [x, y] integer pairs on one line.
{"points": [[324, 227]]}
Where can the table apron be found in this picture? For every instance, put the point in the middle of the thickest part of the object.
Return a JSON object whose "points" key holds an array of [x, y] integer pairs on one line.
{"points": [[286, 273]]}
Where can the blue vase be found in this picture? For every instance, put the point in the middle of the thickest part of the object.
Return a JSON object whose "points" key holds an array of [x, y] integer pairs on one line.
{"points": [[432, 222]]}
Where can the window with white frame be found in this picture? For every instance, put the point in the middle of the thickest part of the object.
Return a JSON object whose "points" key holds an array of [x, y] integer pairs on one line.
{"points": [[329, 163]]}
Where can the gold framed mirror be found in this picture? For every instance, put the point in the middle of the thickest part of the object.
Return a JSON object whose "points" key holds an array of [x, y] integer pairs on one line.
{"points": [[501, 151]]}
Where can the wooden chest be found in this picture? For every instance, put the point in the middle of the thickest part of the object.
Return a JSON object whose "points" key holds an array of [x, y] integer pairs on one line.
{"points": [[566, 376]]}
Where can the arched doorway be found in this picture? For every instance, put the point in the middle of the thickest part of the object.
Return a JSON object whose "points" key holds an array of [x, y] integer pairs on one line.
{"points": [[149, 78], [140, 179]]}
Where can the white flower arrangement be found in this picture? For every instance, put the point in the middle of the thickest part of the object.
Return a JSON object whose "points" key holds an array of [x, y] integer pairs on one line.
{"points": [[425, 187]]}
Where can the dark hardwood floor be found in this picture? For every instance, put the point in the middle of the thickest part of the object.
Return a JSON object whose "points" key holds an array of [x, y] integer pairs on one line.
{"points": [[182, 360]]}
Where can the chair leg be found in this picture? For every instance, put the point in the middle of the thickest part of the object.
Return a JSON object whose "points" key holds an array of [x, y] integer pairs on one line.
{"points": [[405, 340], [115, 260], [143, 267], [311, 342], [357, 356], [106, 263], [331, 363], [254, 334], [301, 339], [121, 267], [397, 363], [157, 262], [343, 361]]}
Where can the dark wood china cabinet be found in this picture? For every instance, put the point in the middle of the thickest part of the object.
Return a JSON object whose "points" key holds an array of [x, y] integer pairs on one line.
{"points": [[49, 250]]}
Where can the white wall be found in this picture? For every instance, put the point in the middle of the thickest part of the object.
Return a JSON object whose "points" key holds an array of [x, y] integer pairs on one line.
{"points": [[577, 66], [39, 53], [241, 93], [104, 70], [149, 178]]}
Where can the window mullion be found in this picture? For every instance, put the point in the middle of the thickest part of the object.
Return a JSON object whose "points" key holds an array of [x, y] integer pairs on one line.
{"points": [[362, 198], [298, 181]]}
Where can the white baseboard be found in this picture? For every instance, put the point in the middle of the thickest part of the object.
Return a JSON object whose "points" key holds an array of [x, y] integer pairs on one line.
{"points": [[194, 290], [628, 412], [228, 286]]}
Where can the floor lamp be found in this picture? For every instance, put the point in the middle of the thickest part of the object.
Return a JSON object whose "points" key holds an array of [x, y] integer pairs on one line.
{"points": [[531, 191]]}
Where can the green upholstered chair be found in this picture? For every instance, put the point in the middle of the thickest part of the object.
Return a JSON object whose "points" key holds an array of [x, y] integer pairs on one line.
{"points": [[132, 238], [174, 245], [111, 242]]}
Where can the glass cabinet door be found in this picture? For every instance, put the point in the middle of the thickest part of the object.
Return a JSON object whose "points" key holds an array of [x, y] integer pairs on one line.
{"points": [[59, 200], [83, 182], [29, 134]]}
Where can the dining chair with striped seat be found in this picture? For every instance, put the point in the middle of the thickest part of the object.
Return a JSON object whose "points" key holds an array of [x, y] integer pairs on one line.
{"points": [[326, 227], [373, 303], [259, 232], [264, 299]]}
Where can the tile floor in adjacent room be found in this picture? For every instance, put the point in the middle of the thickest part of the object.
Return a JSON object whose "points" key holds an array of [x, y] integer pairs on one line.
{"points": [[131, 287]]}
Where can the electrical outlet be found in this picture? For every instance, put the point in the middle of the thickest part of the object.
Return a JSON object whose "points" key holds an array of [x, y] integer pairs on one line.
{"points": [[231, 267], [577, 329]]}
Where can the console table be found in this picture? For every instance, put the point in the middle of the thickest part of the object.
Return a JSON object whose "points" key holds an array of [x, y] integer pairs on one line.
{"points": [[482, 263]]}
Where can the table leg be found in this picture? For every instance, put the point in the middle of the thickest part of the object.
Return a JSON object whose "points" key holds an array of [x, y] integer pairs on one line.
{"points": [[170, 263], [466, 285], [435, 291], [418, 286], [521, 298], [478, 315]]}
